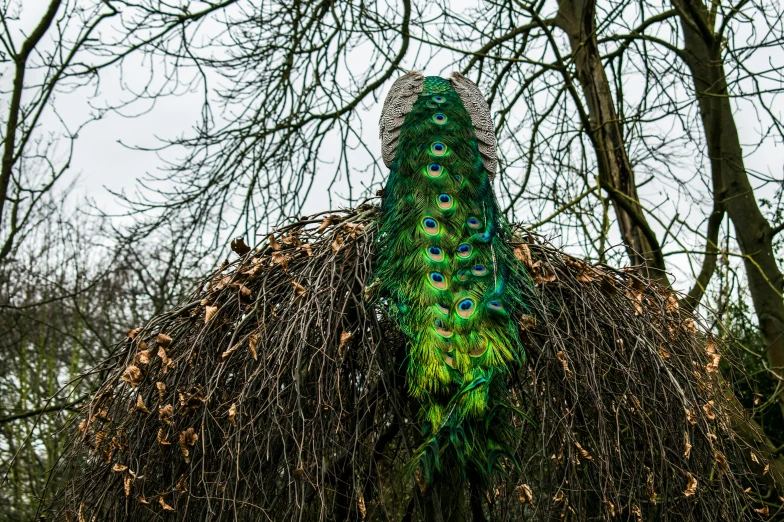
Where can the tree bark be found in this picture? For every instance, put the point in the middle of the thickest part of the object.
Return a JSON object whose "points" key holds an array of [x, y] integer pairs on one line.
{"points": [[702, 54], [577, 18]]}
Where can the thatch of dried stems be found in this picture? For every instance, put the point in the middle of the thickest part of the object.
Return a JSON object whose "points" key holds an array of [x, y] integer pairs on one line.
{"points": [[275, 393]]}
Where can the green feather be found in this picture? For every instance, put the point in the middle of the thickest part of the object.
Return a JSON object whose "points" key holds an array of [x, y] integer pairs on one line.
{"points": [[452, 284]]}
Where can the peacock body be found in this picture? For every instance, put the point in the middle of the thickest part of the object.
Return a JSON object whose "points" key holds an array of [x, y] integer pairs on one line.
{"points": [[446, 268]]}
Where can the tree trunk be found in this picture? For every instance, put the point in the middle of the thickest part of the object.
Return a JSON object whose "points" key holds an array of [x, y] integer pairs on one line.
{"points": [[577, 18], [702, 54]]}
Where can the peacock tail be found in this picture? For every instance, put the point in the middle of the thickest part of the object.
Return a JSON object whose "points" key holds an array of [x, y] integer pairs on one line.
{"points": [[445, 267]]}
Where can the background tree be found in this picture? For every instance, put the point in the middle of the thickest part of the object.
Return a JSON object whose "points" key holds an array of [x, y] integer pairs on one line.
{"points": [[617, 121]]}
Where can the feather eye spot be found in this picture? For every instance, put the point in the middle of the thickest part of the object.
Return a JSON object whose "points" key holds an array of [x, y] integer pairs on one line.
{"points": [[438, 149], [439, 119], [440, 328], [479, 270], [480, 348], [438, 280], [495, 305], [445, 202], [435, 253], [434, 170], [462, 275], [443, 309], [464, 250], [439, 99], [465, 308], [473, 223], [431, 226], [458, 179]]}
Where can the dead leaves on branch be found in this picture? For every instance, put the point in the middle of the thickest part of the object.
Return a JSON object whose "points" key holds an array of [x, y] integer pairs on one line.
{"points": [[188, 440], [691, 486]]}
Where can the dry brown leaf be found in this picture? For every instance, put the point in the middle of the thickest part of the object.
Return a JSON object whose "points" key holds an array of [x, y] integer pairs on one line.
{"points": [[239, 246], [142, 500], [709, 411], [143, 356], [133, 333], [298, 288], [524, 494], [291, 239], [119, 468], [528, 322], [766, 470], [280, 258], [610, 507], [209, 313], [361, 506], [161, 390], [688, 325], [583, 452], [327, 221], [523, 254], [192, 399], [232, 415], [713, 366], [558, 496], [764, 511], [132, 375], [584, 277], [163, 438], [754, 457], [274, 243], [230, 351], [686, 445], [337, 243], [636, 299], [188, 439], [345, 338], [162, 354], [561, 356], [164, 505], [542, 273], [140, 406], [664, 354], [672, 304], [182, 484], [253, 340], [163, 340], [165, 414], [691, 486], [353, 229], [307, 249], [127, 480], [721, 461], [691, 416]]}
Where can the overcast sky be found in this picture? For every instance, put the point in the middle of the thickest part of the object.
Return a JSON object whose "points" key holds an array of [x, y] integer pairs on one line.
{"points": [[103, 160]]}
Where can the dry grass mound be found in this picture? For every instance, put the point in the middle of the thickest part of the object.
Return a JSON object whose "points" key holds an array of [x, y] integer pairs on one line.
{"points": [[275, 393]]}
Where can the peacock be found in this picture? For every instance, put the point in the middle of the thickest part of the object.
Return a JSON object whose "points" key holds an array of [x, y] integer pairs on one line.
{"points": [[447, 271]]}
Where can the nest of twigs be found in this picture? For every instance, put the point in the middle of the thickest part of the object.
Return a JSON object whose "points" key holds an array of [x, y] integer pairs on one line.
{"points": [[275, 392]]}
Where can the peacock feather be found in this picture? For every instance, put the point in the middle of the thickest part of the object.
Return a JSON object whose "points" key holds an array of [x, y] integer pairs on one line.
{"points": [[446, 269]]}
